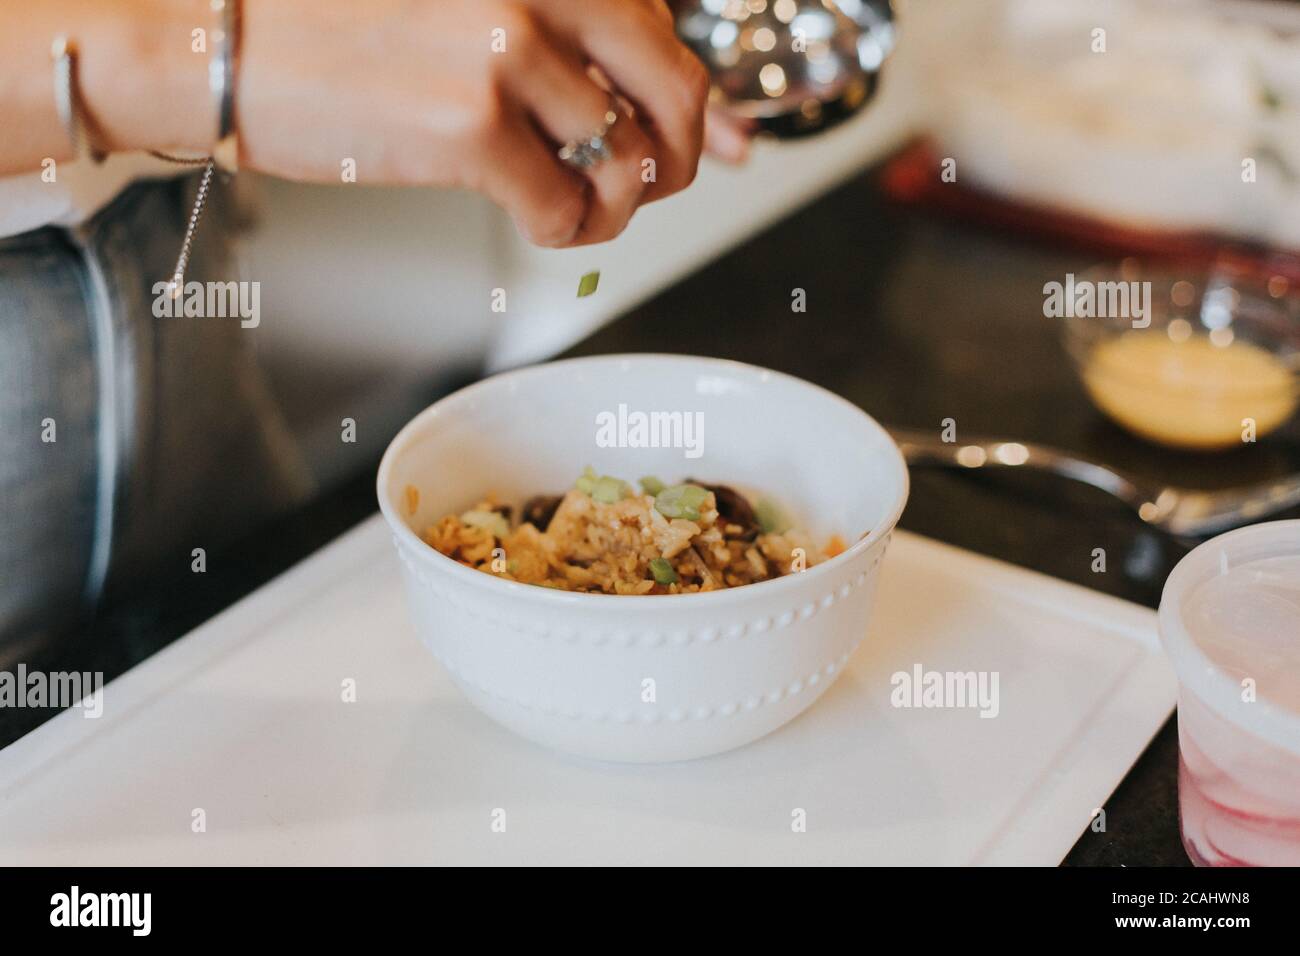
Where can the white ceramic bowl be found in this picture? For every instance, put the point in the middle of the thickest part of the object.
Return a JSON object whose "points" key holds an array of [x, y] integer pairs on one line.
{"points": [[576, 671]]}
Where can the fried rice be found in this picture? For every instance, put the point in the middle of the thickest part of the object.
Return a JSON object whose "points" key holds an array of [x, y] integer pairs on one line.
{"points": [[603, 537]]}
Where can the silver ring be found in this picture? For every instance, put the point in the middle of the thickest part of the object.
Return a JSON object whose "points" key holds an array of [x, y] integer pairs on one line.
{"points": [[595, 149]]}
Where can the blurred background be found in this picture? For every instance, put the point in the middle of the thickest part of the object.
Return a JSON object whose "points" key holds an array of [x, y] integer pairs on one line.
{"points": [[1128, 142]]}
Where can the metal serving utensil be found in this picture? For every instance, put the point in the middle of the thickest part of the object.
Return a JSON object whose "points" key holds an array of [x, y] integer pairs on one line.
{"points": [[1184, 512], [792, 67]]}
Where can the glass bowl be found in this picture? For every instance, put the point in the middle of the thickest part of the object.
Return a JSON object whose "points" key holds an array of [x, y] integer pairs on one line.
{"points": [[1201, 359]]}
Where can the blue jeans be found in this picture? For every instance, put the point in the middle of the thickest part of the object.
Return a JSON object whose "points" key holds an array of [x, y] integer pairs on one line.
{"points": [[126, 441]]}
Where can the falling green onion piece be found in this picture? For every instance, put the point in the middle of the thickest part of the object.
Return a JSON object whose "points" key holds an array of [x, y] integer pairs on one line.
{"points": [[652, 485], [609, 490], [771, 517], [587, 284], [681, 501], [663, 571]]}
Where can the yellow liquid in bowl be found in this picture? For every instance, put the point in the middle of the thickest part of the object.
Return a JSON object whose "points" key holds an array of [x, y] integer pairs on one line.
{"points": [[1190, 394]]}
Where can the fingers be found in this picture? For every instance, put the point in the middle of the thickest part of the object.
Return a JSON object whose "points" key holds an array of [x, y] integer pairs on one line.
{"points": [[545, 77], [661, 9], [568, 106], [618, 186], [547, 201], [635, 46], [726, 138]]}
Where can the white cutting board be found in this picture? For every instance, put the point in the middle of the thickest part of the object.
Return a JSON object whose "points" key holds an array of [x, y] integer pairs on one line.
{"points": [[244, 720]]}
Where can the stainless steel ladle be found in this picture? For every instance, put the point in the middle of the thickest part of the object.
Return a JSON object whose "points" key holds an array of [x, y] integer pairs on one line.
{"points": [[793, 67]]}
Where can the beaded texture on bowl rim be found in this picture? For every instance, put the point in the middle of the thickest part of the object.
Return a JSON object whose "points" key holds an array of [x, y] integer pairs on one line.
{"points": [[677, 714], [648, 638]]}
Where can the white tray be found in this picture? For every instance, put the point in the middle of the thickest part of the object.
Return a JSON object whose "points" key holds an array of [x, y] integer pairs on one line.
{"points": [[244, 719]]}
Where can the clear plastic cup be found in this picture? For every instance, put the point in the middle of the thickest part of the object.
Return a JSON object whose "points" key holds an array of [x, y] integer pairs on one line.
{"points": [[1230, 622]]}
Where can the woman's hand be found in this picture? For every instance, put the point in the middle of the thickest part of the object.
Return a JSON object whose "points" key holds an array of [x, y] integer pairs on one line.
{"points": [[475, 94]]}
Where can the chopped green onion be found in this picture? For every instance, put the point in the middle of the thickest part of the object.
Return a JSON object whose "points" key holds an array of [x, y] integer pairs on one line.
{"points": [[493, 521], [771, 517], [681, 501], [652, 485], [586, 481], [609, 490], [603, 488], [587, 284], [663, 571]]}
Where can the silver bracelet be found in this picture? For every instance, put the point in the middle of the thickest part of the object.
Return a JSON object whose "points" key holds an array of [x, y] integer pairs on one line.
{"points": [[64, 53], [225, 151], [221, 80]]}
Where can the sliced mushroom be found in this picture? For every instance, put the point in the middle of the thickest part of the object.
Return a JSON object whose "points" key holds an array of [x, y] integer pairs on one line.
{"points": [[539, 510], [733, 508]]}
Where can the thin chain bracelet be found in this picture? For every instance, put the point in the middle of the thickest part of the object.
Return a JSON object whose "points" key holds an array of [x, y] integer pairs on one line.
{"points": [[221, 80], [183, 260]]}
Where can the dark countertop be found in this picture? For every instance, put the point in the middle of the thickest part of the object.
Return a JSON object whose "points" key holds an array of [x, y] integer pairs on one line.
{"points": [[915, 321]]}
